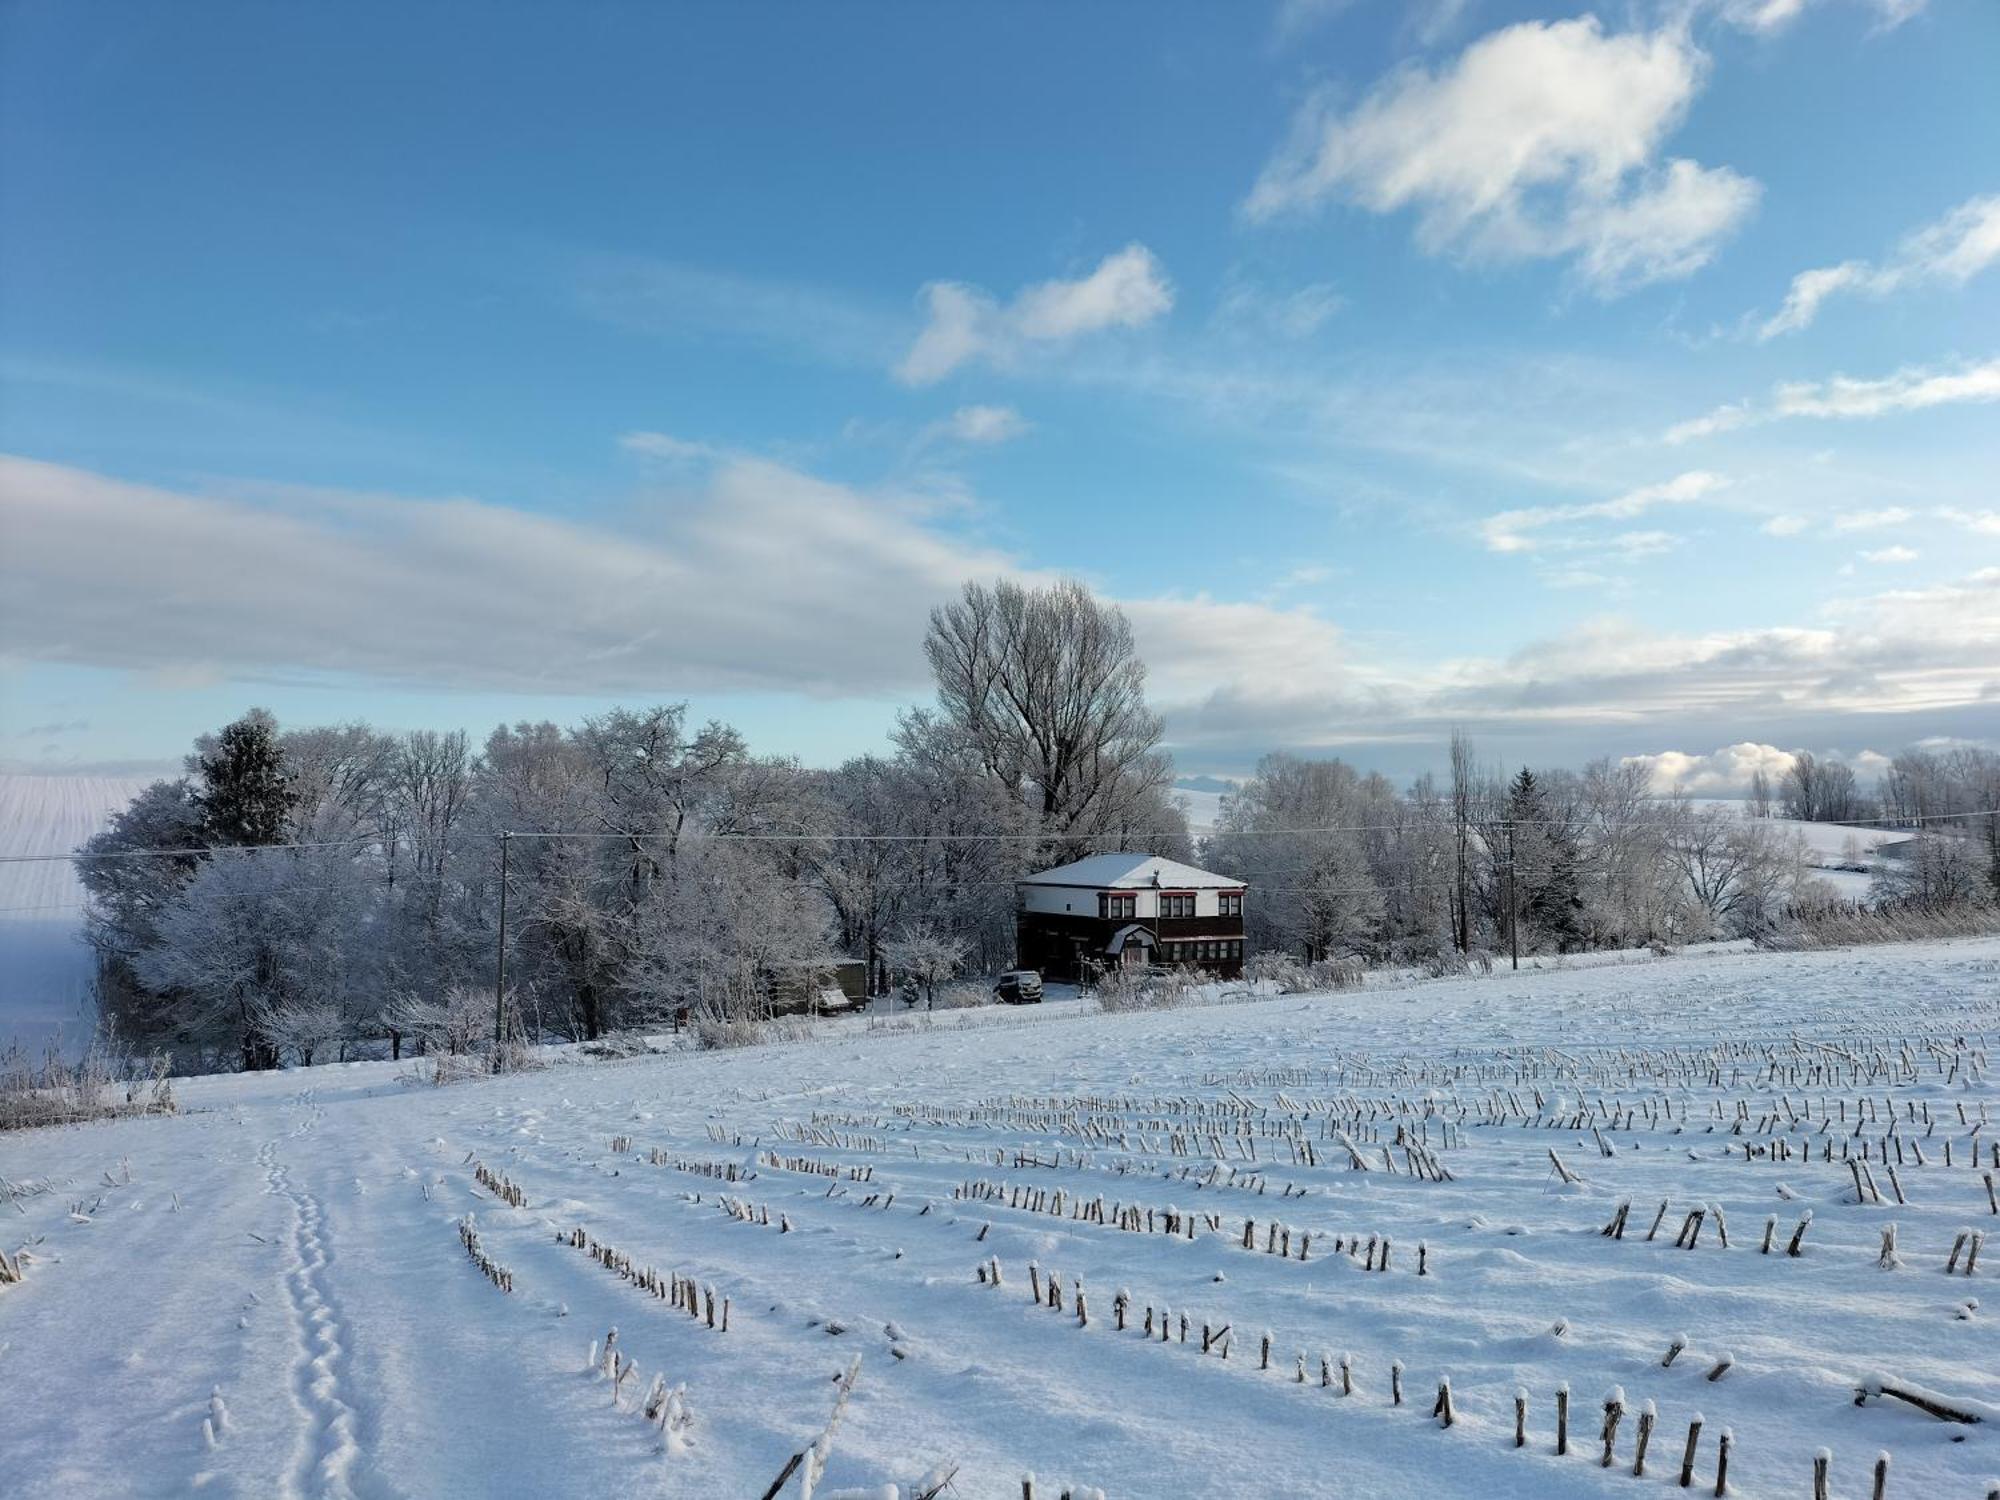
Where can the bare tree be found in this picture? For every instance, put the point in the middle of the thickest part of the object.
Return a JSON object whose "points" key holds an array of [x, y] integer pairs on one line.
{"points": [[1760, 794], [1464, 791], [1047, 684]]}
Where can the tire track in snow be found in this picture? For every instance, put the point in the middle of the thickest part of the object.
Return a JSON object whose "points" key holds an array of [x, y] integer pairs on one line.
{"points": [[329, 1462]]}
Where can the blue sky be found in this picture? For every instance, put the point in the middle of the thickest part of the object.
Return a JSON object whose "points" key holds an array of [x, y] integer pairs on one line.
{"points": [[1615, 381]]}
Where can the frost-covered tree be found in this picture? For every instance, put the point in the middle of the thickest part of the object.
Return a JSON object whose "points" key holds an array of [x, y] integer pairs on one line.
{"points": [[1737, 874], [1295, 833], [1934, 869], [131, 884], [257, 944], [925, 957], [725, 936]]}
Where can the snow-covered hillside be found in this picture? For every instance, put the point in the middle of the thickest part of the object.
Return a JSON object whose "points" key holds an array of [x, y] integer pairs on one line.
{"points": [[270, 1294], [1834, 851], [44, 967]]}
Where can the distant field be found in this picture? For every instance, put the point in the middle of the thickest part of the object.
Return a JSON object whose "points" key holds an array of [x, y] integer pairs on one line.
{"points": [[44, 967]]}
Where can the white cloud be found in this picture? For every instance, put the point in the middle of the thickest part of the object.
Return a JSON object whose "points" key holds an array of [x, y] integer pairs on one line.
{"points": [[1726, 772], [1953, 250], [1128, 289], [1784, 526], [1843, 398], [1511, 530], [756, 577], [759, 578], [1259, 311], [672, 450], [1891, 555], [1774, 15], [984, 425], [1872, 520], [1540, 140], [1927, 655], [1985, 522]]}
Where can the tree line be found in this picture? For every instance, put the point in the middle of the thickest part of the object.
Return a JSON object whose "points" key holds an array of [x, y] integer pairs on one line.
{"points": [[298, 891]]}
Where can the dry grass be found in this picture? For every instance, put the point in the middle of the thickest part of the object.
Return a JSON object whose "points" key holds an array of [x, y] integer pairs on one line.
{"points": [[58, 1090], [1904, 922]]}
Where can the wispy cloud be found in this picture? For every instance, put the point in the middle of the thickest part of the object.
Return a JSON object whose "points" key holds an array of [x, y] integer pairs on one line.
{"points": [[1524, 530], [1872, 520], [1843, 398], [983, 425], [668, 449], [1541, 140], [1128, 289], [1775, 15], [1951, 251], [671, 299]]}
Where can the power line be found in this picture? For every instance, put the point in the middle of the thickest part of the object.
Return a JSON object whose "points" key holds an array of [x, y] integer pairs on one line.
{"points": [[809, 837], [170, 853]]}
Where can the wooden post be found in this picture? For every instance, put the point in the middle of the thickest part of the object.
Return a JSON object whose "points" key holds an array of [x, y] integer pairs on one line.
{"points": [[1722, 1461], [1614, 1408], [1396, 1382], [1562, 1418], [1648, 1414], [500, 957], [1521, 1417], [1687, 1456], [1881, 1475]]}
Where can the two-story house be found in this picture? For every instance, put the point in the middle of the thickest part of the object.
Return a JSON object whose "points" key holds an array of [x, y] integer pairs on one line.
{"points": [[1124, 910]]}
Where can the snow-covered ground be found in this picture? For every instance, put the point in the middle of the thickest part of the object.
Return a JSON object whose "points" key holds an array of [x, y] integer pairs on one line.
{"points": [[1834, 850], [45, 969], [282, 1262]]}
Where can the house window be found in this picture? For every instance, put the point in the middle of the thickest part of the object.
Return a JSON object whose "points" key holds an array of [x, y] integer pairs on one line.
{"points": [[1114, 906], [1231, 903], [1177, 904]]}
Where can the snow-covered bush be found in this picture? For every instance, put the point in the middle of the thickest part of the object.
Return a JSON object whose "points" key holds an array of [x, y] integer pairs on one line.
{"points": [[960, 997], [1148, 989], [717, 1035]]}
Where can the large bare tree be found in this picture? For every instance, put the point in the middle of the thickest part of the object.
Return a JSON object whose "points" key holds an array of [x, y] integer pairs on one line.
{"points": [[1048, 686]]}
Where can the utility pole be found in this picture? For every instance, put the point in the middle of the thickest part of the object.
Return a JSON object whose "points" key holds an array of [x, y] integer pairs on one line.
{"points": [[500, 954], [1513, 904]]}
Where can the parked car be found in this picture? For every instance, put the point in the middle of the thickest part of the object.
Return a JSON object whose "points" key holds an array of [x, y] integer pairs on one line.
{"points": [[1019, 987]]}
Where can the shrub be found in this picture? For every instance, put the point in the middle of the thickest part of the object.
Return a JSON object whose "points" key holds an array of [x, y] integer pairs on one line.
{"points": [[1293, 976], [96, 1086], [715, 1034], [1449, 963], [960, 997]]}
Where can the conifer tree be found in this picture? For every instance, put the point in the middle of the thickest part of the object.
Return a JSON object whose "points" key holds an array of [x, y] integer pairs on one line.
{"points": [[244, 793]]}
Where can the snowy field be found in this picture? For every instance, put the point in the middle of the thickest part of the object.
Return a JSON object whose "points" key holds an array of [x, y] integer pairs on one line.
{"points": [[270, 1295]]}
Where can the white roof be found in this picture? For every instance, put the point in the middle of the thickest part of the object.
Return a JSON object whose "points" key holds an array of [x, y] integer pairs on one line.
{"points": [[1131, 872]]}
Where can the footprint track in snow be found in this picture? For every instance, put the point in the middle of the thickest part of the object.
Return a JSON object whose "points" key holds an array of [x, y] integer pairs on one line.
{"points": [[329, 1462]]}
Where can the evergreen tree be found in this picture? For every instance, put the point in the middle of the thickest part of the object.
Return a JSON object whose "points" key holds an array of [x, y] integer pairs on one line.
{"points": [[245, 795], [1548, 866]]}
